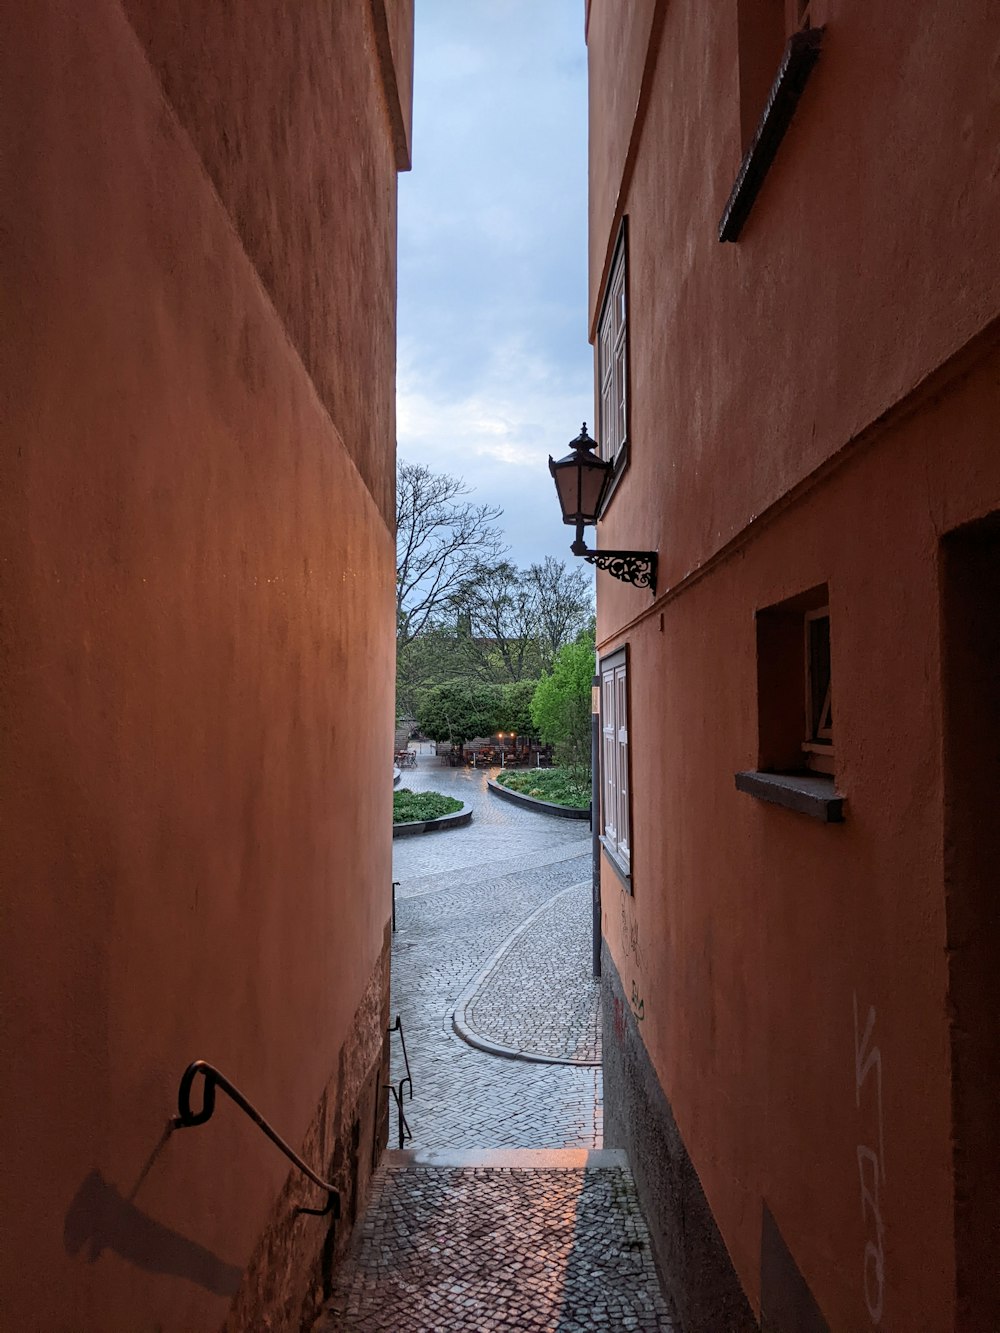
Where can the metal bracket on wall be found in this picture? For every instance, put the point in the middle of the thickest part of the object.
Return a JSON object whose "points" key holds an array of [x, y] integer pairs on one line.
{"points": [[635, 567], [188, 1118]]}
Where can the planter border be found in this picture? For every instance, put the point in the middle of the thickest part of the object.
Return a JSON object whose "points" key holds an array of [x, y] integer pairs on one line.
{"points": [[455, 820], [533, 803], [462, 1023]]}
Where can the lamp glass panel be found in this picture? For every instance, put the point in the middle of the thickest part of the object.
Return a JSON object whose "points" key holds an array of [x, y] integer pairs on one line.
{"points": [[592, 481], [567, 488]]}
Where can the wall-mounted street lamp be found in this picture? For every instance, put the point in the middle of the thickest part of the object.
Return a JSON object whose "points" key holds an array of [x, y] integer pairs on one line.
{"points": [[581, 480]]}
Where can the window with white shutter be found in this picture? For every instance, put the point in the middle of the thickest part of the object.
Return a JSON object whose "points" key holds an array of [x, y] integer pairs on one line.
{"points": [[616, 800]]}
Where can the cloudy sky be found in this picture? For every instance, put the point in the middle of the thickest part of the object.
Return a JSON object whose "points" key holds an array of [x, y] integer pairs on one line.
{"points": [[494, 370]]}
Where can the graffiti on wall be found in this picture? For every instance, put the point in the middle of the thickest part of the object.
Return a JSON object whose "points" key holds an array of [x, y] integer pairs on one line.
{"points": [[632, 956], [871, 1159], [630, 935]]}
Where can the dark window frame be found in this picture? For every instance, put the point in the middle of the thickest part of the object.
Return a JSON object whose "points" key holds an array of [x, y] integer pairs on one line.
{"points": [[796, 753], [620, 459]]}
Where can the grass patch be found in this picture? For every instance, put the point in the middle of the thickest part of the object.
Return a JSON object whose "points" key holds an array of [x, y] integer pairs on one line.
{"points": [[548, 784], [409, 807]]}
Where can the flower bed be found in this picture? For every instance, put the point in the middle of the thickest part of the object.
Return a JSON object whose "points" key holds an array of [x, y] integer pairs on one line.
{"points": [[410, 807], [554, 785]]}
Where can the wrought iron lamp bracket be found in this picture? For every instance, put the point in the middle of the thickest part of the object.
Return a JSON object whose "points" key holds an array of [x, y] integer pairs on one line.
{"points": [[635, 567]]}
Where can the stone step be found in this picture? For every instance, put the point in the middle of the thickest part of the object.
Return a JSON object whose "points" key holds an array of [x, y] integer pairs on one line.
{"points": [[505, 1239]]}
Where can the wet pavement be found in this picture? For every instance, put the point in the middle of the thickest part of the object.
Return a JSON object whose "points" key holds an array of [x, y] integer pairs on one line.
{"points": [[463, 896], [536, 998], [503, 1213]]}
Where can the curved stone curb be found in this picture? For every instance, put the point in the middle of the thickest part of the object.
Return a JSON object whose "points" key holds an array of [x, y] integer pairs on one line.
{"points": [[533, 803], [397, 777], [462, 1024], [456, 820]]}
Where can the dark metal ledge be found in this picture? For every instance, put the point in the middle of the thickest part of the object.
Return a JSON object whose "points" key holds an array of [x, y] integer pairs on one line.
{"points": [[801, 792], [801, 54]]}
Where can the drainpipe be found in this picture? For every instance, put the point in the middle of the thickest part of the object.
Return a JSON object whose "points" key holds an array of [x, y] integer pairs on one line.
{"points": [[595, 813]]}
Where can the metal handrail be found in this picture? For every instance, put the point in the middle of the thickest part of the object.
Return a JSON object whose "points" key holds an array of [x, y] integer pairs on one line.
{"points": [[397, 1093], [398, 1027], [187, 1118]]}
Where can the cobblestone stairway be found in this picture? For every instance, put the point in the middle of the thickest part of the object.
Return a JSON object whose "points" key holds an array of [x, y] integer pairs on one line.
{"points": [[526, 1240], [492, 975]]}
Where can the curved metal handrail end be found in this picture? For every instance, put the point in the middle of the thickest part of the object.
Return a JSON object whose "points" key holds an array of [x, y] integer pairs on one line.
{"points": [[187, 1118]]}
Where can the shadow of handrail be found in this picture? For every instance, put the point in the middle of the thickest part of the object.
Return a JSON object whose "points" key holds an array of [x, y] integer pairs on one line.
{"points": [[188, 1118]]}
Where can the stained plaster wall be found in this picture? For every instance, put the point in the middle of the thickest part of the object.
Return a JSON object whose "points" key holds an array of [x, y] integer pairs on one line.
{"points": [[197, 583], [778, 442]]}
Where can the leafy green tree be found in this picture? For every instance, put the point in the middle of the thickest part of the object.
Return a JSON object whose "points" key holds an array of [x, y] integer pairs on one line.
{"points": [[458, 710], [515, 707], [437, 655], [560, 707]]}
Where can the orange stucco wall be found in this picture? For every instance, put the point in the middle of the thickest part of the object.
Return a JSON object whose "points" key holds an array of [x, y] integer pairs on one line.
{"points": [[884, 187], [779, 440], [197, 582]]}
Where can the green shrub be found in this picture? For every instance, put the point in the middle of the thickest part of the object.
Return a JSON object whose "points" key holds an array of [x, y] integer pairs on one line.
{"points": [[559, 785], [560, 707], [410, 806]]}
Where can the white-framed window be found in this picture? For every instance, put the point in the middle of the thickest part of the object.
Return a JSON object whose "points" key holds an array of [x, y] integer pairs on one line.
{"points": [[615, 793], [818, 743], [612, 358]]}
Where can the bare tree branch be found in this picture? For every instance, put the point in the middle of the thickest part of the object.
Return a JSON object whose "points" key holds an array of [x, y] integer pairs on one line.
{"points": [[439, 540], [501, 605], [564, 603]]}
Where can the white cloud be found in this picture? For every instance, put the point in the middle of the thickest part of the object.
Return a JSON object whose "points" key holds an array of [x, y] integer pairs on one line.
{"points": [[494, 368]]}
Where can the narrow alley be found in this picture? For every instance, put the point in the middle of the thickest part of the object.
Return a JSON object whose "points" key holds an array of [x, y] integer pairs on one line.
{"points": [[504, 1211], [307, 309]]}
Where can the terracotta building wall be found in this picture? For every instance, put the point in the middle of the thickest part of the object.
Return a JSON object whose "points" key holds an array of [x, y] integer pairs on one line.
{"points": [[891, 152], [266, 103], [812, 405], [196, 679]]}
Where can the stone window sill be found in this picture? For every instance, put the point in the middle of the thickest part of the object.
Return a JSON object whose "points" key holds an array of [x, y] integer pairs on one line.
{"points": [[805, 793], [612, 855]]}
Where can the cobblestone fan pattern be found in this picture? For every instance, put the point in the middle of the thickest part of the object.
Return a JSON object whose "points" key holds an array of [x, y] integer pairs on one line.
{"points": [[499, 1248], [540, 995], [462, 894]]}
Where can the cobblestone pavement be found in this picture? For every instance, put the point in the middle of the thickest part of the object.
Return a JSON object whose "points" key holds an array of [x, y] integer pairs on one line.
{"points": [[502, 1216], [463, 893], [538, 1000], [500, 1247]]}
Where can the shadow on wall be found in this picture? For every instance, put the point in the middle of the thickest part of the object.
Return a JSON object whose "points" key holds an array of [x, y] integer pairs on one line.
{"points": [[100, 1218]]}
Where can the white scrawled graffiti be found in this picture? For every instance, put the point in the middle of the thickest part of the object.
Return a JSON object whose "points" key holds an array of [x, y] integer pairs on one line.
{"points": [[871, 1165]]}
